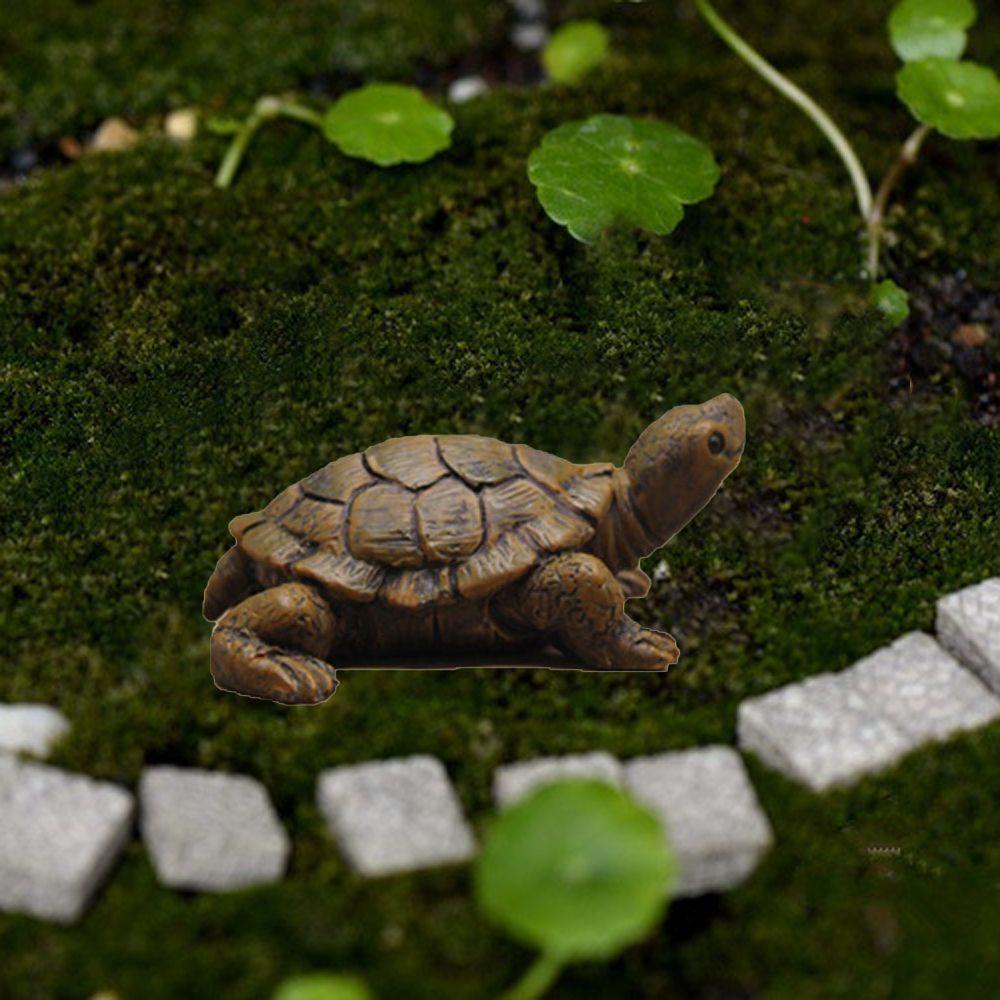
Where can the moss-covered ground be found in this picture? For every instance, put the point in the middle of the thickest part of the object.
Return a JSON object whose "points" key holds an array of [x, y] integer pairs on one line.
{"points": [[172, 355]]}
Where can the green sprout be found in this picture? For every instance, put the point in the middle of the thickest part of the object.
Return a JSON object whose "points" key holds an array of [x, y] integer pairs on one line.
{"points": [[957, 98], [577, 870], [574, 50], [384, 123], [608, 168]]}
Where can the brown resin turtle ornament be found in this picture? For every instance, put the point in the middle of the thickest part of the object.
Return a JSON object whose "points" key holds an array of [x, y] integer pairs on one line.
{"points": [[442, 543]]}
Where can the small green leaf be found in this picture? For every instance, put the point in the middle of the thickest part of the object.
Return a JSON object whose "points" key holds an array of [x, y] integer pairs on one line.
{"points": [[919, 29], [891, 300], [576, 869], [592, 173], [388, 123], [574, 50], [960, 99], [322, 986]]}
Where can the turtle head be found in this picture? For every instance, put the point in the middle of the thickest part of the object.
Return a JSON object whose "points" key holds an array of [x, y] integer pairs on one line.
{"points": [[680, 460]]}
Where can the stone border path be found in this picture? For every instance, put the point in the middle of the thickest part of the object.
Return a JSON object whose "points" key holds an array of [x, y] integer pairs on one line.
{"points": [[209, 831], [60, 833]]}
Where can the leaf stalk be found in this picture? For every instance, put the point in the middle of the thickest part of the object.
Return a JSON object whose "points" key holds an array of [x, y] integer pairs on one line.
{"points": [[538, 979], [264, 110], [837, 139], [876, 217]]}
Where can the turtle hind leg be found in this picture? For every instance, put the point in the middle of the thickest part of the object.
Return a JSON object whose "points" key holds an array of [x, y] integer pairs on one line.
{"points": [[576, 598], [270, 646], [231, 581]]}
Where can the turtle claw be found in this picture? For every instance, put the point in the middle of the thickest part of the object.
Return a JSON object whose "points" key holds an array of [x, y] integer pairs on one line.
{"points": [[637, 648], [243, 664]]}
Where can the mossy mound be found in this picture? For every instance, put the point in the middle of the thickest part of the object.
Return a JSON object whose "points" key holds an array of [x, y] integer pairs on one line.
{"points": [[173, 355]]}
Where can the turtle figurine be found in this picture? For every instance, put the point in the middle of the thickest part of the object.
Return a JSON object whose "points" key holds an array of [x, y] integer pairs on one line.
{"points": [[437, 544]]}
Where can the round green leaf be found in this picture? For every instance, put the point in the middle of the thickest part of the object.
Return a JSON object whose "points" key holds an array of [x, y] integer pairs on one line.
{"points": [[891, 300], [960, 99], [608, 168], [576, 869], [919, 29], [575, 49], [322, 986], [388, 123]]}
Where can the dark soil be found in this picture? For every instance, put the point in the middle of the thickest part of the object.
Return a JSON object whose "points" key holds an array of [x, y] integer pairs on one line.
{"points": [[953, 325]]}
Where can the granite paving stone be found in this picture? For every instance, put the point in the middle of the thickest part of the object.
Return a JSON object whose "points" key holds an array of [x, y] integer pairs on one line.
{"points": [[968, 626], [709, 811], [831, 730], [210, 831], [512, 781], [31, 729], [395, 815], [60, 833]]}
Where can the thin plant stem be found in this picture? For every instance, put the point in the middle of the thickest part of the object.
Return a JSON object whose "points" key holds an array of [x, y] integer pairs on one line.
{"points": [[537, 980], [264, 110], [876, 217], [862, 189]]}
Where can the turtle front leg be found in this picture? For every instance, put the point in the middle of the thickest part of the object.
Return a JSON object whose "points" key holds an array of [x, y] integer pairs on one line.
{"points": [[576, 598], [271, 644]]}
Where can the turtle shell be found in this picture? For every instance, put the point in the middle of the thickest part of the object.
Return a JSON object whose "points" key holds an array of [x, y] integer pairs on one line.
{"points": [[426, 520]]}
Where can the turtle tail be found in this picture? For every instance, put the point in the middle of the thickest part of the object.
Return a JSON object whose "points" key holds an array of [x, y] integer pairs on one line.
{"points": [[232, 581]]}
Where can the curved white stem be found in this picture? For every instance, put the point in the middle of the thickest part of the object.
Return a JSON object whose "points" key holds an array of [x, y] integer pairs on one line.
{"points": [[862, 189]]}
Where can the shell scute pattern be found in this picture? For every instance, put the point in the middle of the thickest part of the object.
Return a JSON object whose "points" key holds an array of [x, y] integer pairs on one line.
{"points": [[427, 520]]}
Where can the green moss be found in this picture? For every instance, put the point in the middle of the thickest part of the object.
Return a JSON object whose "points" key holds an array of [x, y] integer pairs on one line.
{"points": [[173, 355], [66, 65]]}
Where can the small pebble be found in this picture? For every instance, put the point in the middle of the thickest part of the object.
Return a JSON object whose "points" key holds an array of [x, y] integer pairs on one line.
{"points": [[182, 125], [971, 335], [114, 135], [529, 37], [528, 10], [465, 88], [24, 160], [70, 148]]}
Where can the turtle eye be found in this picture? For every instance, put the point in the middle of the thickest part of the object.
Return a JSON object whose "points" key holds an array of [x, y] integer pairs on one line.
{"points": [[716, 442]]}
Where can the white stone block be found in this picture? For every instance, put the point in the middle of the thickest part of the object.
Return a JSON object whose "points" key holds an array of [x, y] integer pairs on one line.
{"points": [[60, 833], [968, 626], [394, 815], [209, 831], [709, 811], [513, 781], [833, 729]]}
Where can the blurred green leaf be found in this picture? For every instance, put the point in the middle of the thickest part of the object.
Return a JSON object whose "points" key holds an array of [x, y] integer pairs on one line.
{"points": [[960, 99], [387, 123], [608, 168], [577, 869], [574, 50], [892, 301], [920, 29], [322, 986]]}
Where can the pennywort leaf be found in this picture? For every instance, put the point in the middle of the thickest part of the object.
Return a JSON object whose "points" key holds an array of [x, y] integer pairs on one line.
{"points": [[892, 301], [960, 99], [388, 123], [577, 869], [608, 168], [574, 50], [920, 29]]}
